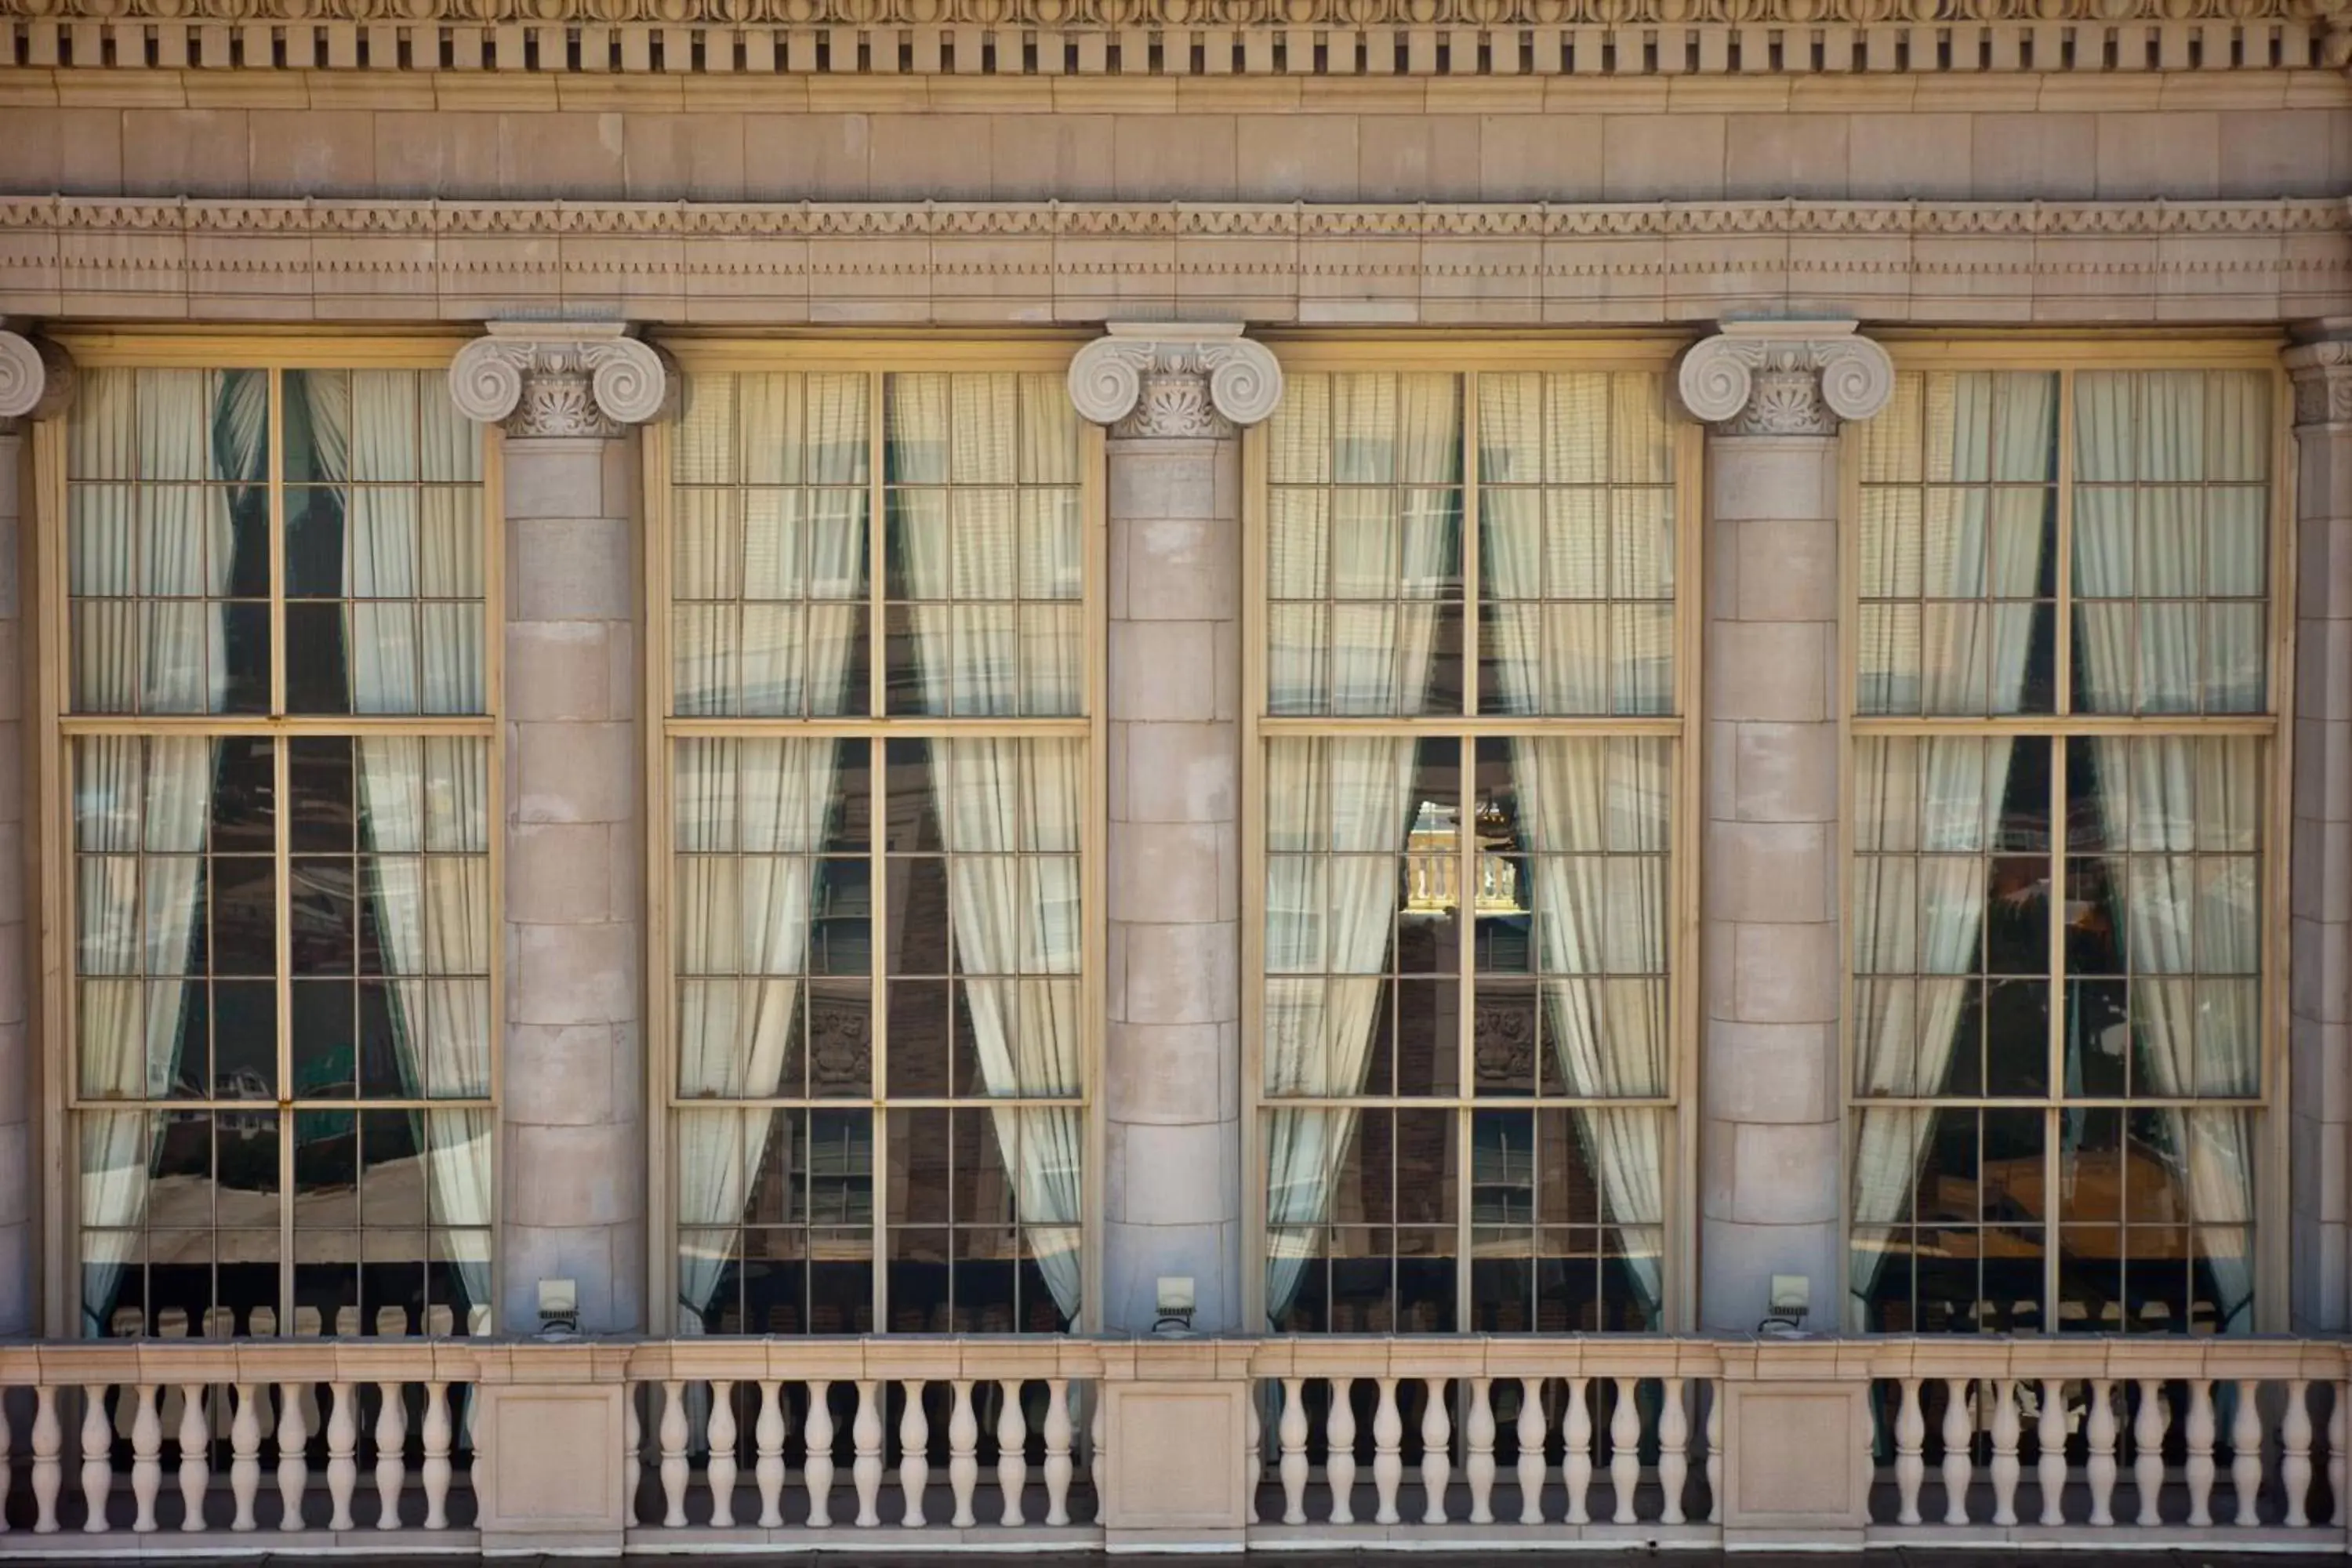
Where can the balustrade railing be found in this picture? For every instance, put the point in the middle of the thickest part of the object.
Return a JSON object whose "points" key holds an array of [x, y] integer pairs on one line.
{"points": [[725, 1443]]}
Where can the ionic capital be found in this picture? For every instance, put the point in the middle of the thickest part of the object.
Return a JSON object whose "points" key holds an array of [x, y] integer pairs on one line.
{"points": [[559, 379], [1165, 380], [36, 380], [2322, 373], [1784, 378]]}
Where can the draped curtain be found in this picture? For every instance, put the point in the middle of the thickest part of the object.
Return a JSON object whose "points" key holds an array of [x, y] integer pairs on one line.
{"points": [[1328, 917], [167, 536], [1009, 808], [752, 811], [2159, 796], [1906, 1031]]}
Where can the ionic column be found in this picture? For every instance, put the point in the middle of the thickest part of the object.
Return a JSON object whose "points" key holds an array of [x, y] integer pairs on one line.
{"points": [[572, 1102], [1771, 1175], [1173, 396], [2320, 925], [35, 383]]}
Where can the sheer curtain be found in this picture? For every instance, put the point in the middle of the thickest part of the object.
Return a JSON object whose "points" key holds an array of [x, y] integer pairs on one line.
{"points": [[2160, 795], [1329, 915], [165, 537], [1922, 915], [1009, 808], [751, 812]]}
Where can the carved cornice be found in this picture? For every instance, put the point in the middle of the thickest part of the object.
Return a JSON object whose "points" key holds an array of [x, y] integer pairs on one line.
{"points": [[36, 380], [558, 379], [1159, 15], [1784, 378], [1168, 381], [2322, 373]]}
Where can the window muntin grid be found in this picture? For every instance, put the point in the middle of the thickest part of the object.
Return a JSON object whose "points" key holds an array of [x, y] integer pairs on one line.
{"points": [[1376, 511], [2079, 1083], [279, 928], [894, 1178]]}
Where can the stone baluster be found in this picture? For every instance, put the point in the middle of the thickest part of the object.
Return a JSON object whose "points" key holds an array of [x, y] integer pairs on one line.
{"points": [[2050, 1465], [2147, 1452], [1253, 1454], [914, 1462], [436, 1473], [817, 1466], [865, 1445], [1531, 1450], [1292, 1428], [573, 1063], [719, 1469], [2339, 1464], [2294, 1456], [293, 1457], [342, 1453], [2099, 1434], [1339, 1450], [2006, 1431], [963, 1454], [1478, 1469], [7, 1468], [1576, 1462], [48, 1470], [1388, 1453], [674, 1433], [633, 1438], [1012, 1454], [390, 1454], [245, 1454], [1910, 1453], [1174, 398], [1674, 1462], [1774, 393], [768, 1468], [1959, 1432], [97, 1458], [1437, 1450], [196, 1456], [2246, 1452], [146, 1460], [1714, 1452], [1625, 1448], [36, 382], [1057, 1451], [2199, 1470]]}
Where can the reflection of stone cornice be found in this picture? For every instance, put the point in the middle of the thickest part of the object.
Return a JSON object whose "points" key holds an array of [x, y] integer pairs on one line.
{"points": [[940, 220], [1163, 38]]}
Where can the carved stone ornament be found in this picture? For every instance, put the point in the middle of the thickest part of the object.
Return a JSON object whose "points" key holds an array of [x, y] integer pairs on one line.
{"points": [[1164, 381], [36, 380], [558, 379], [2322, 373], [1784, 378]]}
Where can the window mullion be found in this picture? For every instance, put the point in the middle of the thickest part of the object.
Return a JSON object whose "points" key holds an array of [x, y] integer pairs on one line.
{"points": [[276, 479], [282, 908], [2062, 699]]}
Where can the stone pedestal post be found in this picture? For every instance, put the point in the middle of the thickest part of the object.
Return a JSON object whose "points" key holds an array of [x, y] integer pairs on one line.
{"points": [[2320, 930], [573, 1180], [35, 382], [1173, 396], [1771, 1171]]}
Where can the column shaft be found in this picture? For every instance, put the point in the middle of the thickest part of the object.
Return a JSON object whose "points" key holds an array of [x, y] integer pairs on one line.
{"points": [[574, 1086], [1769, 1149], [18, 1306], [1171, 1087]]}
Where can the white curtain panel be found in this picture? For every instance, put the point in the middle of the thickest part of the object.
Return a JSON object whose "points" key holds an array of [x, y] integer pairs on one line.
{"points": [[2157, 801], [171, 537], [1009, 809], [1328, 916]]}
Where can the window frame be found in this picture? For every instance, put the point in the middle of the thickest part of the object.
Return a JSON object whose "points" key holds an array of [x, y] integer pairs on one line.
{"points": [[45, 609], [1683, 728], [876, 359], [2273, 725]]}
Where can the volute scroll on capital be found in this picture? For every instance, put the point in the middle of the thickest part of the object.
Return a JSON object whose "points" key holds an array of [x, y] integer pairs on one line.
{"points": [[36, 380], [1784, 378], [1171, 381], [559, 379]]}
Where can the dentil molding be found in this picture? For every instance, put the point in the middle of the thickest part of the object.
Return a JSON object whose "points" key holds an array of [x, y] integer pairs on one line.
{"points": [[2323, 381], [1784, 378], [1174, 380], [558, 379]]}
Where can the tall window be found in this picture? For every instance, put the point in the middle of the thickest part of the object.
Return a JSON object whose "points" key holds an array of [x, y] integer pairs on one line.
{"points": [[2065, 765], [1468, 785], [275, 717], [878, 778]]}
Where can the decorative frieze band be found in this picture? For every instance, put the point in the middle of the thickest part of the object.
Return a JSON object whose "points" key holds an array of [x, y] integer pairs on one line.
{"points": [[1171, 381], [558, 379], [1784, 378], [2322, 373]]}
